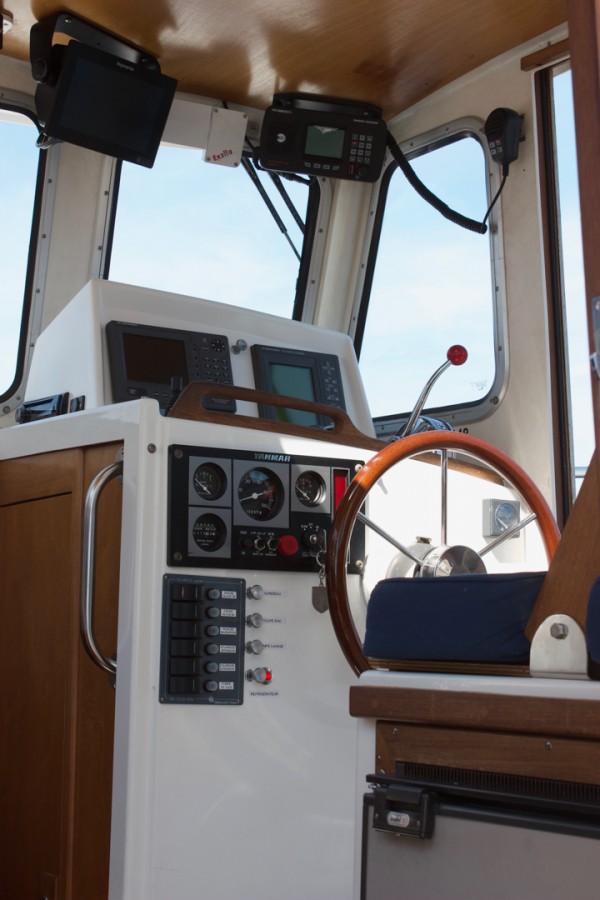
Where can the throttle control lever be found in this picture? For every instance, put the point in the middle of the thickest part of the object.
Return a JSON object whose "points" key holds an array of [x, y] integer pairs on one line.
{"points": [[456, 356]]}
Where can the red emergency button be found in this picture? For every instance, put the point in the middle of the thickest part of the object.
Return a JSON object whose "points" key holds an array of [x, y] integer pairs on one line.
{"points": [[288, 545]]}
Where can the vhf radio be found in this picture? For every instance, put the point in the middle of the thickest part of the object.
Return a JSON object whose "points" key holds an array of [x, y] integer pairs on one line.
{"points": [[313, 135]]}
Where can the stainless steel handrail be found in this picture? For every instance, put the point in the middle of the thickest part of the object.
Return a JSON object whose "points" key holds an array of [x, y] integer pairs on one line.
{"points": [[88, 564]]}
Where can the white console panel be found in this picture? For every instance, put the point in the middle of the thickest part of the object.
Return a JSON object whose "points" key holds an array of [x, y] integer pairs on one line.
{"points": [[71, 355]]}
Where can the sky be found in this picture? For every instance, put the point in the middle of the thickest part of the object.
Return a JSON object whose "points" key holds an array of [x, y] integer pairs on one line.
{"points": [[19, 156]]}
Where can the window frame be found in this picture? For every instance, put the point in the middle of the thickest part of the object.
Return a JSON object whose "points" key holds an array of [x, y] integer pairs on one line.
{"points": [[21, 104], [566, 472], [460, 414]]}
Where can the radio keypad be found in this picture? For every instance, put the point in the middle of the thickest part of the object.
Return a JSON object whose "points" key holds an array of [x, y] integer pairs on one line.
{"points": [[361, 148]]}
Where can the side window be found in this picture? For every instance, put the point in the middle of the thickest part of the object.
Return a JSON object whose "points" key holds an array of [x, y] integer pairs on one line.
{"points": [[19, 163], [580, 414], [203, 230], [432, 287]]}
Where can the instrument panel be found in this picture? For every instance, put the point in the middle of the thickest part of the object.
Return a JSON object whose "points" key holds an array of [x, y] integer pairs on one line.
{"points": [[255, 510]]}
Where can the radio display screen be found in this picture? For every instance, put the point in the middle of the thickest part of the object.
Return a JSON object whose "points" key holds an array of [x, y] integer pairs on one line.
{"points": [[324, 141]]}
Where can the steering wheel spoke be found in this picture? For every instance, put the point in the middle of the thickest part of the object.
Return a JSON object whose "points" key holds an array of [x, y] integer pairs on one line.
{"points": [[509, 533], [388, 537]]}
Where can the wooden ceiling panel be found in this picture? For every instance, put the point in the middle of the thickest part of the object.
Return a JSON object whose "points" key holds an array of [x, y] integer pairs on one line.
{"points": [[388, 52]]}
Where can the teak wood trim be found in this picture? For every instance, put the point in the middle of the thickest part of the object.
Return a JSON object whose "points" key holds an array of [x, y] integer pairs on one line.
{"points": [[36, 477], [508, 753], [450, 667], [489, 712], [576, 563], [189, 405], [43, 494], [552, 54]]}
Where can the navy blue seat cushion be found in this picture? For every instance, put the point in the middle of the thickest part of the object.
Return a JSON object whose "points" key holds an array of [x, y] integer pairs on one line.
{"points": [[592, 625], [465, 618]]}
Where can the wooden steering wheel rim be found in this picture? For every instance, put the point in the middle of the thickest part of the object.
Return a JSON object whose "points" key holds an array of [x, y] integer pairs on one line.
{"points": [[343, 522]]}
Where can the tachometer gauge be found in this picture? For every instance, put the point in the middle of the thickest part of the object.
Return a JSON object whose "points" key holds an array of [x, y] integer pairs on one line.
{"points": [[209, 532], [310, 489], [261, 494], [209, 481]]}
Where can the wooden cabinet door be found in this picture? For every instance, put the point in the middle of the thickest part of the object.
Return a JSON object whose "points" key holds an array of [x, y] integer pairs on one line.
{"points": [[56, 707]]}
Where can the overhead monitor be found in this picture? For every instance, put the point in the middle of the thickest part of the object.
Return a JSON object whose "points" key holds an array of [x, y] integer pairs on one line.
{"points": [[105, 103]]}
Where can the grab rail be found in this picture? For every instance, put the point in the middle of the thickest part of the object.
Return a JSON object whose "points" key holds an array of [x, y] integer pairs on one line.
{"points": [[88, 565]]}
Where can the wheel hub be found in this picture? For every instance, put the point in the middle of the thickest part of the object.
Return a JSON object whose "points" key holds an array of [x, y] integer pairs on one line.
{"points": [[448, 561]]}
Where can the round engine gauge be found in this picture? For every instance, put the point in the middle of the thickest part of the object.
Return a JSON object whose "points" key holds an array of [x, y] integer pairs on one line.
{"points": [[506, 516], [209, 481], [261, 494], [209, 532], [310, 489]]}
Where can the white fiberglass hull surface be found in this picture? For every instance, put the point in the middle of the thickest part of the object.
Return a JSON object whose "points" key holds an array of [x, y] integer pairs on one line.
{"points": [[214, 801]]}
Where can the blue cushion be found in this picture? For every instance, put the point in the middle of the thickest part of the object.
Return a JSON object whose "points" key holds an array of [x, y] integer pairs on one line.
{"points": [[592, 625], [466, 618]]}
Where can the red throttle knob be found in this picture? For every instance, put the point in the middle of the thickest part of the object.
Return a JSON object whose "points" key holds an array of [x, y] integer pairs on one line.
{"points": [[457, 355]]}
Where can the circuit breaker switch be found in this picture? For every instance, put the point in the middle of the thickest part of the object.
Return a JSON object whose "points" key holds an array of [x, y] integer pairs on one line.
{"points": [[255, 647], [254, 620], [255, 592]]}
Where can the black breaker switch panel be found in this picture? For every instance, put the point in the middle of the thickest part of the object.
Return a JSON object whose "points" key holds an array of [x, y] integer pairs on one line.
{"points": [[202, 640]]}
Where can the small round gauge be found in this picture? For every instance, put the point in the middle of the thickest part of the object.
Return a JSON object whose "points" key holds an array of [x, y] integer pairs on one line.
{"points": [[506, 516], [209, 532], [209, 481], [310, 489], [261, 494]]}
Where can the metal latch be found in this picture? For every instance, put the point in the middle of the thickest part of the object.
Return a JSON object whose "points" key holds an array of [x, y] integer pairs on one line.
{"points": [[403, 810]]}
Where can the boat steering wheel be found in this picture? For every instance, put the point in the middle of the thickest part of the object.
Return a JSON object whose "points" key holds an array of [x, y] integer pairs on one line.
{"points": [[442, 560]]}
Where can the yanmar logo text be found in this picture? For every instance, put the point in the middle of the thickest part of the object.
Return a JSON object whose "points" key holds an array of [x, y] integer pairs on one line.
{"points": [[272, 457]]}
